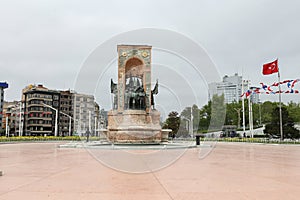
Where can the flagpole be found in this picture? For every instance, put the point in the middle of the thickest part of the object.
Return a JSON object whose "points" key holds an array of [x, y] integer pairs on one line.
{"points": [[243, 104], [280, 111], [250, 112], [243, 107]]}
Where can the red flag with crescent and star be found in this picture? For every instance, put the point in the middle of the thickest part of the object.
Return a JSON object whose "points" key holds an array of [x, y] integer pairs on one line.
{"points": [[270, 68]]}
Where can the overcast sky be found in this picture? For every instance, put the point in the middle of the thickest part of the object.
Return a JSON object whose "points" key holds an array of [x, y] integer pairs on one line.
{"points": [[48, 41]]}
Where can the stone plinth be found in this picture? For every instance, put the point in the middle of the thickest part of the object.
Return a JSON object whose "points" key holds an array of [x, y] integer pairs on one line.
{"points": [[165, 134], [134, 126]]}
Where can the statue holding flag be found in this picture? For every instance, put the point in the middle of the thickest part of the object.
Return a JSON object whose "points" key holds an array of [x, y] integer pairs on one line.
{"points": [[154, 92]]}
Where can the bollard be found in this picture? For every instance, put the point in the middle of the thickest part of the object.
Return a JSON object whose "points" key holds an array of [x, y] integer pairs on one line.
{"points": [[197, 139]]}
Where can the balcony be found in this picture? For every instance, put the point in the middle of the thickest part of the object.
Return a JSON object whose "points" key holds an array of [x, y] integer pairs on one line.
{"points": [[38, 98], [39, 125]]}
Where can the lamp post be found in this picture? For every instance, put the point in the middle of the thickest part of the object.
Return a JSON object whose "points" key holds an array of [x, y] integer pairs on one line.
{"points": [[250, 112], [6, 126], [20, 119], [56, 117], [191, 122], [259, 104], [243, 109]]}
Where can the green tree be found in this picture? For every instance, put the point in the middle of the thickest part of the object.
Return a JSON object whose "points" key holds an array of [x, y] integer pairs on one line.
{"points": [[205, 116], [218, 112], [273, 128], [294, 111], [267, 111], [212, 115], [256, 113], [173, 123], [232, 111]]}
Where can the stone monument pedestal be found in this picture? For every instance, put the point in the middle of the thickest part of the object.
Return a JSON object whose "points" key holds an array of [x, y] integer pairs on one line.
{"points": [[134, 127]]}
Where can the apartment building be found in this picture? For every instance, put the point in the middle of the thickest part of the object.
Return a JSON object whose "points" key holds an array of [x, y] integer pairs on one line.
{"points": [[13, 116], [66, 122], [84, 113], [57, 113], [41, 111]]}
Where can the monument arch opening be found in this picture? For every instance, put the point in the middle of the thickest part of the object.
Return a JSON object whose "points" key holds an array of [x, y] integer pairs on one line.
{"points": [[135, 97]]}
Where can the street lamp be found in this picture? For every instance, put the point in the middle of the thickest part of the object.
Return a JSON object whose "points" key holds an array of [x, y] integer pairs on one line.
{"points": [[191, 122], [6, 126], [20, 119], [56, 117]]}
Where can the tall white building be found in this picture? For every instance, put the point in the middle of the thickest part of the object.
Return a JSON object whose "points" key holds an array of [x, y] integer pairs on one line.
{"points": [[84, 113], [231, 87], [14, 111]]}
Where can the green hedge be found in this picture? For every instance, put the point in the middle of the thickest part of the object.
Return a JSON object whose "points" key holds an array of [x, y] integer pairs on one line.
{"points": [[77, 138], [47, 138], [252, 140]]}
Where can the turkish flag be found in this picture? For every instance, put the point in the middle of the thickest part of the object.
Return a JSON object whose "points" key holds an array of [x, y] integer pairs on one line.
{"points": [[270, 68]]}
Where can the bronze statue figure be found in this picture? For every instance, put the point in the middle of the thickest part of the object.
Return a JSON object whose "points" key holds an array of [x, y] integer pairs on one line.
{"points": [[114, 90], [134, 94]]}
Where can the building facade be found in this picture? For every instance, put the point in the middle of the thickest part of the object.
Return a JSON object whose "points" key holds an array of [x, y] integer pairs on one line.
{"points": [[40, 110], [102, 123], [3, 85], [84, 113], [66, 122], [232, 87], [13, 112], [46, 112]]}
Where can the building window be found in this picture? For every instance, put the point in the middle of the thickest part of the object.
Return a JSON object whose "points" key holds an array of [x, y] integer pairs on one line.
{"points": [[55, 103]]}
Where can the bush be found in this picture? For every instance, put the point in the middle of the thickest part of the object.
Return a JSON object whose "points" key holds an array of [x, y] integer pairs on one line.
{"points": [[39, 138]]}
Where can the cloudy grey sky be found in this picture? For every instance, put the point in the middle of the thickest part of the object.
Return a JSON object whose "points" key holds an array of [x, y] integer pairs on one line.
{"points": [[48, 41]]}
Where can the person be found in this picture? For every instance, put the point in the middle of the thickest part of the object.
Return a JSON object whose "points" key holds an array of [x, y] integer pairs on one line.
{"points": [[87, 135]]}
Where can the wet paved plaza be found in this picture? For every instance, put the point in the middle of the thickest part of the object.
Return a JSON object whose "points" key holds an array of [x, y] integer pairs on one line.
{"points": [[231, 171]]}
